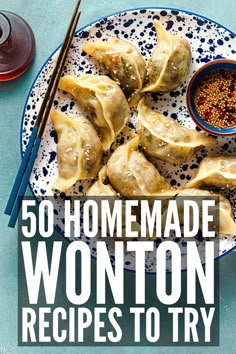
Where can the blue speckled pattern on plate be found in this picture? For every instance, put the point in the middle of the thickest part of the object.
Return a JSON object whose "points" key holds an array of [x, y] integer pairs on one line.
{"points": [[208, 41]]}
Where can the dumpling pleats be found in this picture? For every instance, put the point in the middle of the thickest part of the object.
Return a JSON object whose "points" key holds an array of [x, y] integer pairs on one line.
{"points": [[165, 139], [170, 62], [217, 171], [79, 150], [131, 174], [104, 98], [122, 60]]}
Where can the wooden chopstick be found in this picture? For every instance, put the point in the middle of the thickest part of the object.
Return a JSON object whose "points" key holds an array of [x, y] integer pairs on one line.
{"points": [[22, 178]]}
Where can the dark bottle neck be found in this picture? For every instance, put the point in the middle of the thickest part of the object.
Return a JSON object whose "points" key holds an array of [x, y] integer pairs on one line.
{"points": [[5, 28]]}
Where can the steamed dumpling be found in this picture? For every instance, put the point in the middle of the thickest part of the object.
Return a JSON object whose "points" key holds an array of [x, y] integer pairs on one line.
{"points": [[165, 139], [218, 171], [131, 174], [170, 62], [79, 150], [222, 209], [101, 187], [122, 60], [104, 98]]}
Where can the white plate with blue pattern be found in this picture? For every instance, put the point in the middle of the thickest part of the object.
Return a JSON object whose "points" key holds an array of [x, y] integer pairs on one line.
{"points": [[208, 39]]}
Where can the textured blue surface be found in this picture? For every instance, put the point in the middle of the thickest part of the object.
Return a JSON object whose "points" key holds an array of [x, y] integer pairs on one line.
{"points": [[49, 20]]}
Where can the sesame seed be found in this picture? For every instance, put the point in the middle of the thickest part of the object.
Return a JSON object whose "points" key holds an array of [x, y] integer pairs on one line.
{"points": [[215, 98]]}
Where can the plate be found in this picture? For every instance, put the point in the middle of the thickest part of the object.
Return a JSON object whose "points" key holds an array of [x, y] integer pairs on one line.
{"points": [[208, 41]]}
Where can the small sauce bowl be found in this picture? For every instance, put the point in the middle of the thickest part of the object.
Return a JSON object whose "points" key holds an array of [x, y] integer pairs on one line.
{"points": [[211, 97]]}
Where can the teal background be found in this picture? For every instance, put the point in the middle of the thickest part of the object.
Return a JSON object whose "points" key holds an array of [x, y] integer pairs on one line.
{"points": [[49, 20]]}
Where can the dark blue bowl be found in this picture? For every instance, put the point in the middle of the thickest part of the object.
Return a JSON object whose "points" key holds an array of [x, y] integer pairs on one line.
{"points": [[193, 83]]}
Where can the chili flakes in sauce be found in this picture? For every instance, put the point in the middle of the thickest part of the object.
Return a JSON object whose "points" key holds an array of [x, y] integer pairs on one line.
{"points": [[215, 98]]}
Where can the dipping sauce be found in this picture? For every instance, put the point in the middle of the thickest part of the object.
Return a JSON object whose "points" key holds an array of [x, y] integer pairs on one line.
{"points": [[215, 98]]}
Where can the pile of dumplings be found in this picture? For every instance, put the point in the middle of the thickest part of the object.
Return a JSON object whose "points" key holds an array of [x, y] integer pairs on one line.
{"points": [[128, 173]]}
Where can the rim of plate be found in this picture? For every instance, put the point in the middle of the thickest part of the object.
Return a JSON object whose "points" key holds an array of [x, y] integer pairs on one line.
{"points": [[58, 47]]}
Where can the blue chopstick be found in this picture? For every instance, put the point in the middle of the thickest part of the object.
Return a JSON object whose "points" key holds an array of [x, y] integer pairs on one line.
{"points": [[21, 171], [23, 184]]}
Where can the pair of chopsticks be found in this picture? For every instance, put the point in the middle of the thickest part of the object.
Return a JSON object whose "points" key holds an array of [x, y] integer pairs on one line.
{"points": [[23, 175]]}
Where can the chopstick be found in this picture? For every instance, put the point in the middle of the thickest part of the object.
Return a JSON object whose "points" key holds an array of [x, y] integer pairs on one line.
{"points": [[22, 177]]}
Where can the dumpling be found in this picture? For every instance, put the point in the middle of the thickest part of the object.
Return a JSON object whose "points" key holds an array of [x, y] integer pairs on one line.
{"points": [[101, 187], [131, 174], [122, 60], [218, 171], [166, 139], [79, 149], [222, 209], [105, 100], [170, 62]]}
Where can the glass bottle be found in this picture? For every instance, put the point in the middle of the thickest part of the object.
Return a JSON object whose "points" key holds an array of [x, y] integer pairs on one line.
{"points": [[17, 46]]}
